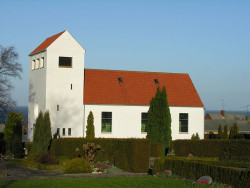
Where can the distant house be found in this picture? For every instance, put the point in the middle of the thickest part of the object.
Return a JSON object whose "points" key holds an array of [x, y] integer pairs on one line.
{"points": [[223, 115], [213, 120]]}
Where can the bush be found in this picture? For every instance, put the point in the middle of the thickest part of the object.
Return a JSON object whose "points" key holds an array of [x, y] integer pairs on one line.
{"points": [[131, 155], [195, 137], [43, 158], [47, 159], [195, 169], [224, 149], [77, 165]]}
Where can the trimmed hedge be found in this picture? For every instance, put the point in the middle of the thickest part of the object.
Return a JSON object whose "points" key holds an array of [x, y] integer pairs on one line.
{"points": [[194, 169], [156, 150], [224, 149], [130, 155]]}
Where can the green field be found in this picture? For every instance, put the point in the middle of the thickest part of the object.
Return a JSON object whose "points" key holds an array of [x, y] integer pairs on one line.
{"points": [[110, 182]]}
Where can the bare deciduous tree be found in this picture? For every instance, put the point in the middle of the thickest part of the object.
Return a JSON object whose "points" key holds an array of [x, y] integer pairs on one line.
{"points": [[9, 68]]}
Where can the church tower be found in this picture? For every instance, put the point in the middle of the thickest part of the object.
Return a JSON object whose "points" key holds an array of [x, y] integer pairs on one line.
{"points": [[56, 84]]}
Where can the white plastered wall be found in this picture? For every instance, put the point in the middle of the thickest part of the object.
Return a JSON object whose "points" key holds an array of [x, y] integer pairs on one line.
{"points": [[51, 86], [58, 86], [126, 121], [37, 90]]}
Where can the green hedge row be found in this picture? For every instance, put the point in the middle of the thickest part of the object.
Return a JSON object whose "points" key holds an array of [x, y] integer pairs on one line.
{"points": [[156, 150], [224, 149], [193, 170], [130, 155]]}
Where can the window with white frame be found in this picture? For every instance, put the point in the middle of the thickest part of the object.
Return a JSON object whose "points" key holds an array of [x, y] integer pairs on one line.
{"points": [[183, 122], [63, 133], [144, 122], [33, 64], [41, 62], [69, 131], [106, 122], [58, 131], [37, 64]]}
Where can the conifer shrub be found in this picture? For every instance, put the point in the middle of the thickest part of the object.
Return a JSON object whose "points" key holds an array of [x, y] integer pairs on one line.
{"points": [[159, 120], [234, 132], [13, 134], [90, 132], [225, 134], [76, 165], [219, 132], [42, 134]]}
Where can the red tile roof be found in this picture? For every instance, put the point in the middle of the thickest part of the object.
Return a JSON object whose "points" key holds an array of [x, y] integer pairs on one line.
{"points": [[137, 88], [46, 43]]}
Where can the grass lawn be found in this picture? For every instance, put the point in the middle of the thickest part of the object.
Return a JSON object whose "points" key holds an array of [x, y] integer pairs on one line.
{"points": [[130, 182]]}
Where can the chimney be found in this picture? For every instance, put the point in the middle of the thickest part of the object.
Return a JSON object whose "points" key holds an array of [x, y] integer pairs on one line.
{"points": [[223, 113]]}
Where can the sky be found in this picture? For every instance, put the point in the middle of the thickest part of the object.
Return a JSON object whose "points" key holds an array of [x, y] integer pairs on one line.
{"points": [[208, 39]]}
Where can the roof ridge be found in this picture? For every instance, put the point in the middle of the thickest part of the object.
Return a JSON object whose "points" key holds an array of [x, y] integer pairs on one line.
{"points": [[46, 43], [134, 71]]}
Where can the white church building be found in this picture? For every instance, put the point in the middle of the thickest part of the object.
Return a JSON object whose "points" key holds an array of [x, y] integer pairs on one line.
{"points": [[119, 100]]}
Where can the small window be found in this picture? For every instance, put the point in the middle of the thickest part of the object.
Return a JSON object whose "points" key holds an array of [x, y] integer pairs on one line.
{"points": [[144, 122], [71, 86], [42, 62], [183, 122], [106, 121], [69, 131], [58, 131], [57, 107], [33, 65], [63, 131], [65, 62], [37, 64]]}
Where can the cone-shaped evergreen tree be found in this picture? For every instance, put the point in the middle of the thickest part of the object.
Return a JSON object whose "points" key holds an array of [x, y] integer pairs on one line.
{"points": [[46, 131], [17, 137], [159, 120], [42, 133], [225, 134], [219, 132], [13, 134], [37, 138], [90, 132], [234, 132]]}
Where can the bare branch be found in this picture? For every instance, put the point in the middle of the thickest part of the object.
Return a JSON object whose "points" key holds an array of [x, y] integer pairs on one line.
{"points": [[9, 68]]}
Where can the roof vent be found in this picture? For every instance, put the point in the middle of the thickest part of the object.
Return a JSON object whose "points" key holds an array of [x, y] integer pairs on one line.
{"points": [[156, 81], [120, 79]]}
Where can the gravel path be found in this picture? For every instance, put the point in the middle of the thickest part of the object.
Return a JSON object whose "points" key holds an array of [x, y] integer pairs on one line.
{"points": [[15, 172]]}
